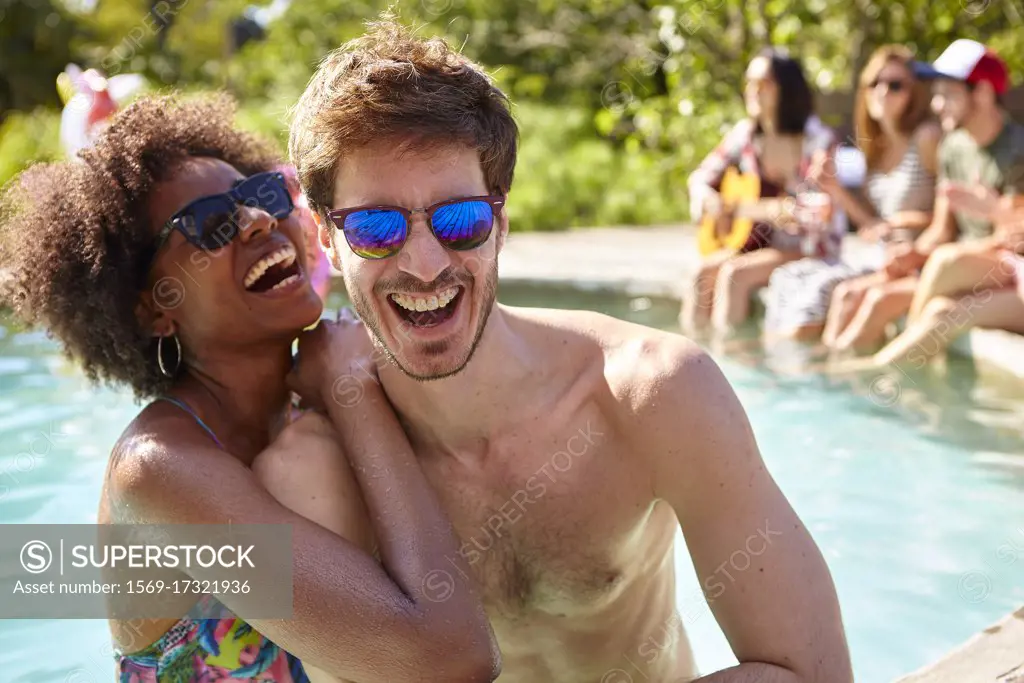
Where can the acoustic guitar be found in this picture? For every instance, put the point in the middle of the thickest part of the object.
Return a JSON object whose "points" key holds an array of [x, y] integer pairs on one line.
{"points": [[741, 208]]}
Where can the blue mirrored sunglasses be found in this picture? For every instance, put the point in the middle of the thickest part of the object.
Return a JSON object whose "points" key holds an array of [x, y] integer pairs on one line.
{"points": [[376, 232]]}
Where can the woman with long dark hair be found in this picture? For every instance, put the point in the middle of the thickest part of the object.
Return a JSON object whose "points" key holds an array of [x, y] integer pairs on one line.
{"points": [[777, 141]]}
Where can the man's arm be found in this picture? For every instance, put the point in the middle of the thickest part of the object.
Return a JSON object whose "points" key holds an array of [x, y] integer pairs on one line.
{"points": [[762, 574]]}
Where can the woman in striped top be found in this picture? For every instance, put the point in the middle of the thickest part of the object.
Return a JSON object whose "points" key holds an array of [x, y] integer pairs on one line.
{"points": [[900, 145]]}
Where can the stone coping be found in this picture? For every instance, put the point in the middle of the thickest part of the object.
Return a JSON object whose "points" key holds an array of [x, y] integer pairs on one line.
{"points": [[996, 655]]}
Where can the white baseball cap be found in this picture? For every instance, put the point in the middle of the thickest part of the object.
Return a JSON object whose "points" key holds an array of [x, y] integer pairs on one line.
{"points": [[970, 62]]}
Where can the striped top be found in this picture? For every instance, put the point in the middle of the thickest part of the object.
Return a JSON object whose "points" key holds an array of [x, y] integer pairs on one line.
{"points": [[907, 187]]}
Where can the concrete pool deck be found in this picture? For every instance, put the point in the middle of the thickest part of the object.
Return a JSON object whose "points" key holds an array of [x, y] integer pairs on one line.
{"points": [[655, 261]]}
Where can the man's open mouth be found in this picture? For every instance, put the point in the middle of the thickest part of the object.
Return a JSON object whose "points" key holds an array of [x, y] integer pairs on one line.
{"points": [[427, 310], [276, 270]]}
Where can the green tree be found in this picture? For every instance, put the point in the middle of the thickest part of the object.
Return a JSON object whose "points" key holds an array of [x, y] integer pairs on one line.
{"points": [[34, 48]]}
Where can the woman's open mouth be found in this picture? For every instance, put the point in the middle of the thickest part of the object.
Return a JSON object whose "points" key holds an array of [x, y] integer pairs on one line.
{"points": [[276, 270], [427, 310]]}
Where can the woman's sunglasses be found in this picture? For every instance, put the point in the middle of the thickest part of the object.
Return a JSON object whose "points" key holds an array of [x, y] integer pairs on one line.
{"points": [[890, 86], [210, 223], [376, 232]]}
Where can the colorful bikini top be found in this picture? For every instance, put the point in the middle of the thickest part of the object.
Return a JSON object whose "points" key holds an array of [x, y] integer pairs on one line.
{"points": [[209, 650]]}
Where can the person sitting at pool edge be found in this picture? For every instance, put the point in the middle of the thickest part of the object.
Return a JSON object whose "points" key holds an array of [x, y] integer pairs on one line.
{"points": [[899, 142], [777, 141], [106, 255], [980, 158], [976, 284], [567, 447]]}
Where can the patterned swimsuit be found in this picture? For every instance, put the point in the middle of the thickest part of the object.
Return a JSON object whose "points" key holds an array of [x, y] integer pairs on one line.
{"points": [[208, 650]]}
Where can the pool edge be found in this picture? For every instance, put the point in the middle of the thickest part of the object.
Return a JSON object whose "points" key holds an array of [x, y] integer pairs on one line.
{"points": [[994, 655]]}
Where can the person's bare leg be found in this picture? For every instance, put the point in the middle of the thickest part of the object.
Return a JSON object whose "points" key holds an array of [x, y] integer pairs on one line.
{"points": [[883, 303], [738, 279], [945, 318], [952, 272], [846, 298], [805, 333], [699, 298]]}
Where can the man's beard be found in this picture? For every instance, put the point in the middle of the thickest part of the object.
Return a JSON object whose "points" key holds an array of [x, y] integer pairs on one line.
{"points": [[368, 315]]}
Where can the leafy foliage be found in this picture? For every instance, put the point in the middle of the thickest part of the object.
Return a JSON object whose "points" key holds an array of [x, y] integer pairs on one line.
{"points": [[28, 137], [617, 99]]}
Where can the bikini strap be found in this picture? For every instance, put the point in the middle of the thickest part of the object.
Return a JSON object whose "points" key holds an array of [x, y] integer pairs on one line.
{"points": [[184, 406]]}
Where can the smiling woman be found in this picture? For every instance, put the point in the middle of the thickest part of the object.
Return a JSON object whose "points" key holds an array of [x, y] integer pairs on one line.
{"points": [[68, 225], [172, 261]]}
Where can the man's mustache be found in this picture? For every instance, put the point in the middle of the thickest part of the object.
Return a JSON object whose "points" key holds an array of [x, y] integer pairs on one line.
{"points": [[407, 283]]}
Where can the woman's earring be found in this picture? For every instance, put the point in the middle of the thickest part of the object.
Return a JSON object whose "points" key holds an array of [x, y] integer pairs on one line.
{"points": [[160, 356]]}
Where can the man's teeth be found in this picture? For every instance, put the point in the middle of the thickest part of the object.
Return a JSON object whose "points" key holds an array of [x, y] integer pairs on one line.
{"points": [[285, 255], [425, 303]]}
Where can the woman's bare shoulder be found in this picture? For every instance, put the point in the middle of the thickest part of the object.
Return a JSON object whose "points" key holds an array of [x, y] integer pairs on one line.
{"points": [[159, 456]]}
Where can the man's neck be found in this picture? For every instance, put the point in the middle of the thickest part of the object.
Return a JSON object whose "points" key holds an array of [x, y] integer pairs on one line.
{"points": [[474, 404], [985, 127]]}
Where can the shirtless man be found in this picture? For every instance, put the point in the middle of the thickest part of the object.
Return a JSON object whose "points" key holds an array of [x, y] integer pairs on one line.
{"points": [[572, 445]]}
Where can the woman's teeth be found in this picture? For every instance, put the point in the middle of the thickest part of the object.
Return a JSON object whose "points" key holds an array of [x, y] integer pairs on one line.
{"points": [[425, 303], [285, 256], [284, 283]]}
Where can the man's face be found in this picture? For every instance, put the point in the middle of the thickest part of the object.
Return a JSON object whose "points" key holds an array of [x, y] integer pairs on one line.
{"points": [[952, 103], [438, 344]]}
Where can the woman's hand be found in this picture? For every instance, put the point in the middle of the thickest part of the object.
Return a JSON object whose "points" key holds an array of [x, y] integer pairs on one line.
{"points": [[876, 231], [901, 260], [334, 358], [822, 171]]}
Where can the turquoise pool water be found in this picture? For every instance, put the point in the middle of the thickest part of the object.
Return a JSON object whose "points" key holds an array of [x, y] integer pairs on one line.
{"points": [[912, 486]]}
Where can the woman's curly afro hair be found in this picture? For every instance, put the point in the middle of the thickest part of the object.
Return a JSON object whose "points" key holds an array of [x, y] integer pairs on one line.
{"points": [[75, 236]]}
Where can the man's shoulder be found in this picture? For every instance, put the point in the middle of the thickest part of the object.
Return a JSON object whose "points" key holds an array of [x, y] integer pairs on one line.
{"points": [[651, 371], [667, 394], [640, 365], [1015, 138], [1016, 128]]}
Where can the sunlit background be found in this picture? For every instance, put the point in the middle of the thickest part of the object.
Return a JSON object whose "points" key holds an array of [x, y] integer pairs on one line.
{"points": [[912, 486]]}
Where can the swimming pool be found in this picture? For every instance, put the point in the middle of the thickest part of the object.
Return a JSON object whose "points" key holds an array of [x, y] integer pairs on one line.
{"points": [[911, 484]]}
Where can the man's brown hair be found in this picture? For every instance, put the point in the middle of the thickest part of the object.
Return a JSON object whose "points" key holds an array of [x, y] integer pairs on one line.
{"points": [[390, 85]]}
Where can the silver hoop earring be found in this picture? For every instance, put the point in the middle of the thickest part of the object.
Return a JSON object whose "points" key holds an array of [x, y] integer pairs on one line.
{"points": [[160, 356]]}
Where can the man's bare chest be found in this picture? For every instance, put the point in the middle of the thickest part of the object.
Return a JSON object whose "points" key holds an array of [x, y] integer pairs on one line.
{"points": [[547, 520]]}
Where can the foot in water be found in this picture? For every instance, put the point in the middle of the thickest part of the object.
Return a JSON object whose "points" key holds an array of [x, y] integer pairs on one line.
{"points": [[847, 366]]}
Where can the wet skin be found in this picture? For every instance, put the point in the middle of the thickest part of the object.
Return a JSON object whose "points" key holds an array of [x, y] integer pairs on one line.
{"points": [[567, 448]]}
